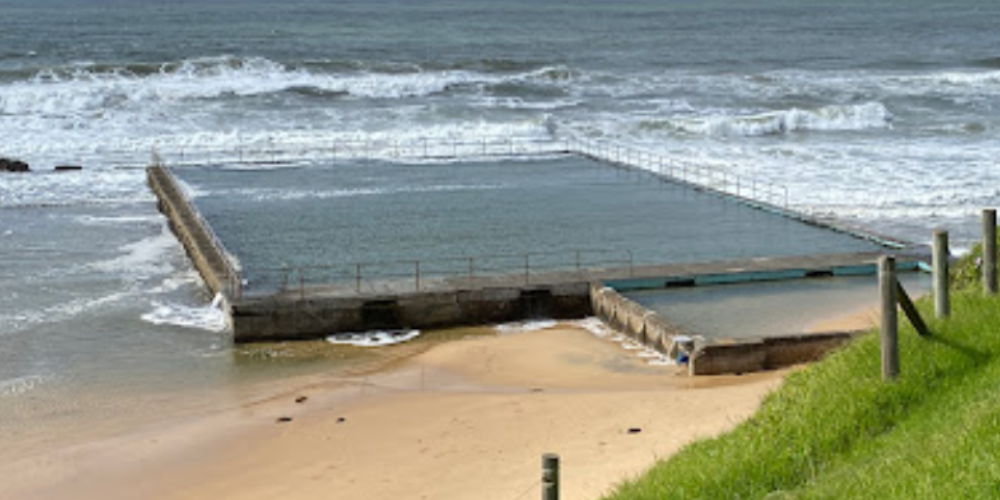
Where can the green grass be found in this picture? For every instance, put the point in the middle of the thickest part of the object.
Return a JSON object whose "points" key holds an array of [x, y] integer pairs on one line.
{"points": [[836, 430]]}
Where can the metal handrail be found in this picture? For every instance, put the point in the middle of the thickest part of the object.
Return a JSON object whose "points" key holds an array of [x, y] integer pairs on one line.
{"points": [[365, 276], [712, 178]]}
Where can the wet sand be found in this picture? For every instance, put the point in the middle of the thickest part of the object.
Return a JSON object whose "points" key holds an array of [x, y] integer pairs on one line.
{"points": [[468, 418]]}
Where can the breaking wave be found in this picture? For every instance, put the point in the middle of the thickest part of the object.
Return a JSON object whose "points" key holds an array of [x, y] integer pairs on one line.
{"points": [[93, 89], [210, 318], [872, 115]]}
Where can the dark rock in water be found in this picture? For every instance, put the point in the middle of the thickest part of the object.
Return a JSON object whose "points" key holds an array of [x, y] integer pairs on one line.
{"points": [[341, 420], [284, 420], [8, 165], [301, 399], [634, 430], [68, 168]]}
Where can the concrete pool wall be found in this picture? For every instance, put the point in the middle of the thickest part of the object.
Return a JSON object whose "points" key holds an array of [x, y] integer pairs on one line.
{"points": [[206, 252]]}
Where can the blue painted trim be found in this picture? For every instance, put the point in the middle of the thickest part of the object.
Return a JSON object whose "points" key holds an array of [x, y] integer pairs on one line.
{"points": [[660, 283], [862, 270]]}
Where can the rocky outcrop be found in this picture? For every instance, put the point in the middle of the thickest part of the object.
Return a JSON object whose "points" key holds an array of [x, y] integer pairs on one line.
{"points": [[8, 165]]}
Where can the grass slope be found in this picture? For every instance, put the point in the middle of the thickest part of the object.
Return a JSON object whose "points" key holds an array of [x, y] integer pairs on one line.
{"points": [[835, 430]]}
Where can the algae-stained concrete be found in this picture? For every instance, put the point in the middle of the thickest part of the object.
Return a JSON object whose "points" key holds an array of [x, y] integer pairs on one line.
{"points": [[764, 354], [293, 318]]}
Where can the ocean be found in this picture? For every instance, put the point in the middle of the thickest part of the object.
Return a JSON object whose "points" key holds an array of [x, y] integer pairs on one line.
{"points": [[882, 114]]}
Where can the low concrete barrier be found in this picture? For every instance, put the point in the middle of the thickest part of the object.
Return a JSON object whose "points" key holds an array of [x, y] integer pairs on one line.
{"points": [[710, 357], [294, 318], [632, 319], [764, 354], [205, 251]]}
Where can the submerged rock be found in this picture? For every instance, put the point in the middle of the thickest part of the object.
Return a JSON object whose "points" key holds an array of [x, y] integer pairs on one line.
{"points": [[9, 165]]}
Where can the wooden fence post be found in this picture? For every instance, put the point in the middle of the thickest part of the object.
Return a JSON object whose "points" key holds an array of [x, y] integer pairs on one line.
{"points": [[942, 302], [990, 251], [911, 311], [550, 476], [890, 325]]}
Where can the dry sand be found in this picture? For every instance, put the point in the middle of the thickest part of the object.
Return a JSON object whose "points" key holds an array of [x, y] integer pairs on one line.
{"points": [[467, 419]]}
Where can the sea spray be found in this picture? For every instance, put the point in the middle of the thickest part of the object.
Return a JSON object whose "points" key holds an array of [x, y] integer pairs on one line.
{"points": [[374, 338]]}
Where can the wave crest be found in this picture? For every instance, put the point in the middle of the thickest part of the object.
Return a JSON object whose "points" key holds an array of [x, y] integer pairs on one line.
{"points": [[92, 89], [872, 115]]}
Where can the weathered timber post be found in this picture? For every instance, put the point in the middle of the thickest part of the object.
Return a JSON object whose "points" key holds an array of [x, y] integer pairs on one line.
{"points": [[942, 301], [550, 476], [990, 251], [890, 325], [911, 311]]}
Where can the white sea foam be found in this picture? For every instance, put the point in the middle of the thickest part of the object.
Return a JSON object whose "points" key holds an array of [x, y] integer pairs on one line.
{"points": [[210, 318], [374, 339], [104, 187], [144, 258], [22, 385], [26, 319], [91, 220], [186, 276], [525, 326], [269, 194], [90, 92], [601, 330], [872, 115], [595, 326]]}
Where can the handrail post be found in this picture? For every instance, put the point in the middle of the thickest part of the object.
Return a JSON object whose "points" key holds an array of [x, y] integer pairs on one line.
{"points": [[942, 302], [890, 325], [416, 274], [527, 268]]}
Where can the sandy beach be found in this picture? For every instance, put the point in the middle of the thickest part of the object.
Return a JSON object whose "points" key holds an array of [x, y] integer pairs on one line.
{"points": [[466, 418]]}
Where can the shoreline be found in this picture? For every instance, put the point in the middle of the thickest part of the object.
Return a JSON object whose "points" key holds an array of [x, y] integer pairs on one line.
{"points": [[485, 407]]}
